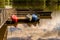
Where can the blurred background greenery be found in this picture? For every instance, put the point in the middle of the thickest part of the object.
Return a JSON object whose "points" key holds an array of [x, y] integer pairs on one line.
{"points": [[46, 5]]}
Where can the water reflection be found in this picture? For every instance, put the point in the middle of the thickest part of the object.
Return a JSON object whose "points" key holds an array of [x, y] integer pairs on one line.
{"points": [[17, 38], [12, 29], [49, 39]]}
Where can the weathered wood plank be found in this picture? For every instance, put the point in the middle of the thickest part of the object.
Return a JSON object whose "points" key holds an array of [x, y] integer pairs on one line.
{"points": [[3, 32]]}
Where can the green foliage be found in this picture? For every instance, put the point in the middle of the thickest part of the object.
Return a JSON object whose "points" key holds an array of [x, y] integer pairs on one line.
{"points": [[34, 4], [1, 3]]}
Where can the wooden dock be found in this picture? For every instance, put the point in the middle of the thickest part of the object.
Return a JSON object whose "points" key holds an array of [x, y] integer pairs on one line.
{"points": [[21, 15]]}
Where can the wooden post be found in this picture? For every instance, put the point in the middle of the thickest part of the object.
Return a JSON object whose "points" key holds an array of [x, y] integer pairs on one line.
{"points": [[3, 32]]}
